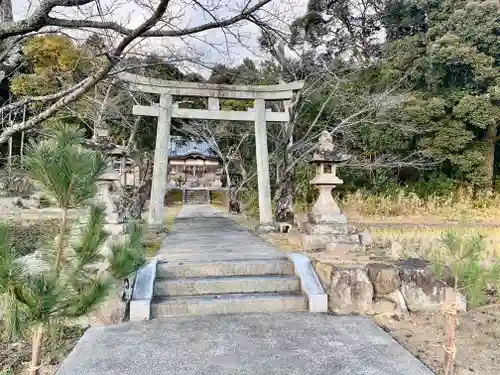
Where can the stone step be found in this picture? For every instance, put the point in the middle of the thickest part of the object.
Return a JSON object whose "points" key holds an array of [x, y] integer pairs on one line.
{"points": [[244, 267], [226, 285], [227, 304], [196, 196]]}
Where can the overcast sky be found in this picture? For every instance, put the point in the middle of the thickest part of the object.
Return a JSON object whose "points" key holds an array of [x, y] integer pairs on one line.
{"points": [[209, 48]]}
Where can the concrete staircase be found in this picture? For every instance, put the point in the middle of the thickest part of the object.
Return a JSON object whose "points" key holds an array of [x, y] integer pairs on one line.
{"points": [[197, 196], [225, 287]]}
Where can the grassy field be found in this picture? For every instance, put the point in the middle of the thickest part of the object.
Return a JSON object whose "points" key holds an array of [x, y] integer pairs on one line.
{"points": [[416, 222]]}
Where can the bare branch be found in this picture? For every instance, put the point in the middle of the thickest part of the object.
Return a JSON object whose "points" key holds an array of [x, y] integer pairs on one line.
{"points": [[80, 88], [41, 19]]}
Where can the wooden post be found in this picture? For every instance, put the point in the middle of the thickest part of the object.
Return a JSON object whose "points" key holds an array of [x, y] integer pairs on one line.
{"points": [[21, 152], [9, 160], [160, 168], [265, 210], [123, 170]]}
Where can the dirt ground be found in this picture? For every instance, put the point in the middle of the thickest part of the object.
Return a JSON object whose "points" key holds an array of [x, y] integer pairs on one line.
{"points": [[15, 357], [477, 344]]}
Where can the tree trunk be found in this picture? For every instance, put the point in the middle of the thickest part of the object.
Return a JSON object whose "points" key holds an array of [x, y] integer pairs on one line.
{"points": [[98, 121], [21, 151], [491, 141], [228, 185], [9, 159], [123, 165], [450, 344], [60, 241], [285, 188], [243, 172], [450, 349], [284, 194], [36, 351]]}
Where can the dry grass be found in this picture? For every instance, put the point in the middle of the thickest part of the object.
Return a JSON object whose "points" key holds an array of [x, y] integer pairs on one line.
{"points": [[15, 357], [427, 241], [171, 213], [419, 223], [407, 206], [153, 241], [416, 223]]}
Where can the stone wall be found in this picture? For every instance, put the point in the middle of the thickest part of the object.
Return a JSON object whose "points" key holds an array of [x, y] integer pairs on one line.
{"points": [[385, 288]]}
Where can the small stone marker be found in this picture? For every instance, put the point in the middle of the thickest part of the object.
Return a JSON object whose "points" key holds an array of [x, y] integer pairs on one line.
{"points": [[113, 225]]}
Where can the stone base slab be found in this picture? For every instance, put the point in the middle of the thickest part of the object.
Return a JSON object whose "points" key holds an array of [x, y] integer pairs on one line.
{"points": [[321, 223], [327, 218], [266, 228], [325, 228], [319, 241]]}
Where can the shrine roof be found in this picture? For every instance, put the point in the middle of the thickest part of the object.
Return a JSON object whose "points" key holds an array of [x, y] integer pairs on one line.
{"points": [[183, 148]]}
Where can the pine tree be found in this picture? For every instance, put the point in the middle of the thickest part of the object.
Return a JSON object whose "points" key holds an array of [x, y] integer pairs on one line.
{"points": [[66, 286], [462, 260]]}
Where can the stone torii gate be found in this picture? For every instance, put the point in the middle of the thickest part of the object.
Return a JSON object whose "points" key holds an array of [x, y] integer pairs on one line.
{"points": [[166, 110]]}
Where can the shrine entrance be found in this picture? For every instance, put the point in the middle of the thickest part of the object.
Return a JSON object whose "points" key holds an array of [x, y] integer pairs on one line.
{"points": [[166, 109]]}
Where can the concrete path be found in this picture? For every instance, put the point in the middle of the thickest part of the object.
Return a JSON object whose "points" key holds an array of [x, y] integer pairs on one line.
{"points": [[201, 233], [238, 344], [255, 344]]}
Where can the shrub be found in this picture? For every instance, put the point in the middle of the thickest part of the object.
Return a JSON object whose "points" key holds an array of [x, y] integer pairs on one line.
{"points": [[173, 196], [219, 197], [250, 199]]}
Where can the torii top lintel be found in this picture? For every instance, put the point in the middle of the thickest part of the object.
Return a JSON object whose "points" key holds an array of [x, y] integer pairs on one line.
{"points": [[159, 86]]}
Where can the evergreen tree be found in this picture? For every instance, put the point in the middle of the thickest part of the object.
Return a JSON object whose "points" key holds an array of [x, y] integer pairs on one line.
{"points": [[450, 50], [462, 260], [66, 286]]}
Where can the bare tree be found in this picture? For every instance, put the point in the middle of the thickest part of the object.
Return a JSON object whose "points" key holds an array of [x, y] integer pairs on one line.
{"points": [[162, 20], [342, 113]]}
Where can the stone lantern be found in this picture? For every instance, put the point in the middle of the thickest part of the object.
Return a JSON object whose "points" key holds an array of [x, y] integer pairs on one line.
{"points": [[325, 223], [326, 159], [113, 226], [105, 184]]}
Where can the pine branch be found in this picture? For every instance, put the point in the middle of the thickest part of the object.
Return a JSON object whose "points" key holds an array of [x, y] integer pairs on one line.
{"points": [[87, 298], [92, 238], [126, 258]]}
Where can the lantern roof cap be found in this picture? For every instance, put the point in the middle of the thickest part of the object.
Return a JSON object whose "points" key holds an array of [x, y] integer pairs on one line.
{"points": [[109, 175], [327, 152]]}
